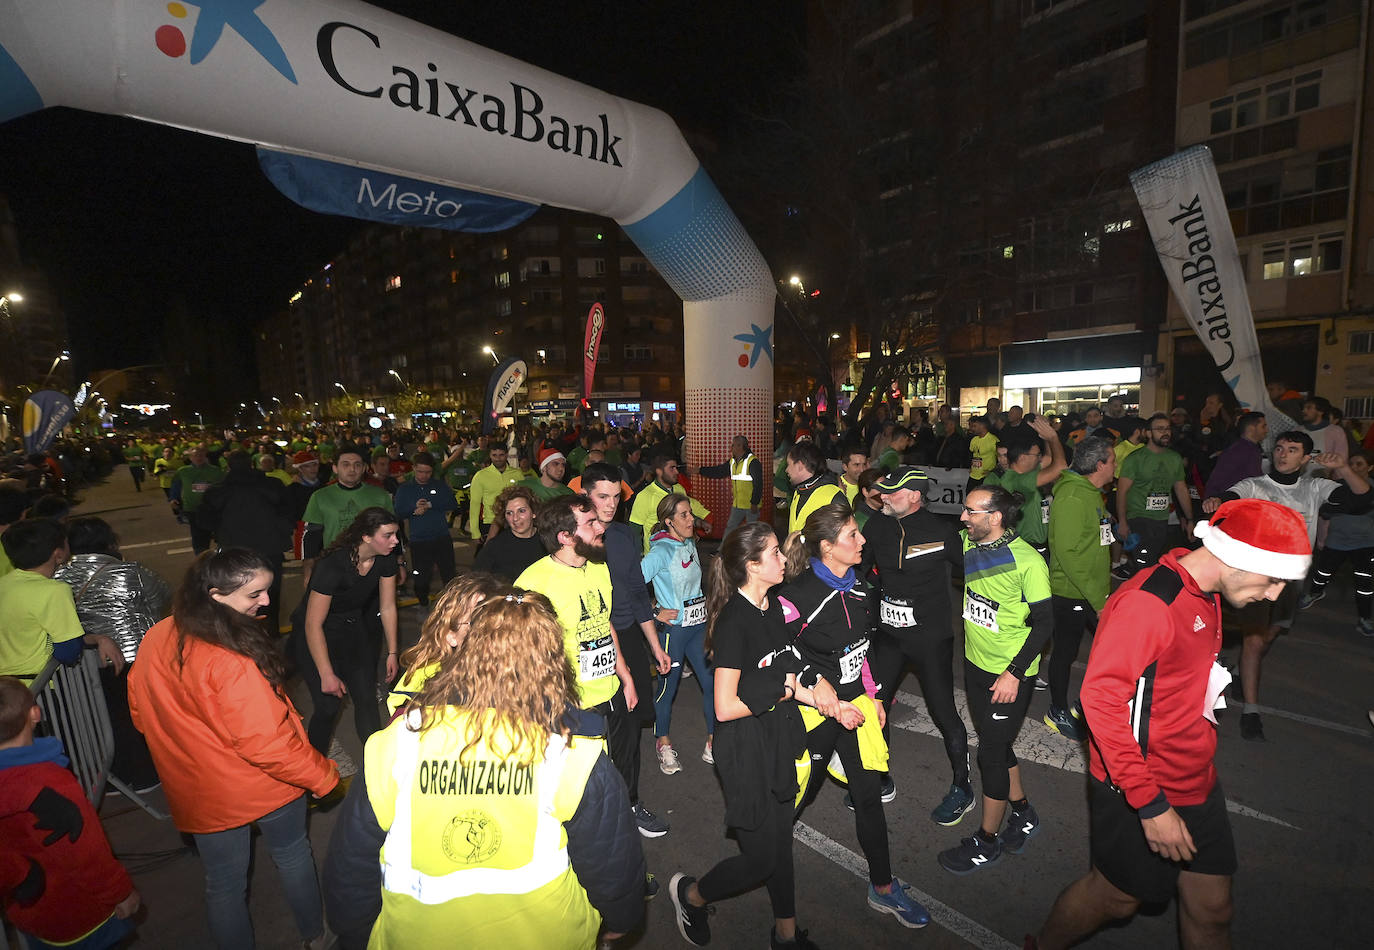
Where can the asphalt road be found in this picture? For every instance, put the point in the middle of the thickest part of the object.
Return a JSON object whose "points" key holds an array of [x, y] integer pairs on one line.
{"points": [[1299, 809]]}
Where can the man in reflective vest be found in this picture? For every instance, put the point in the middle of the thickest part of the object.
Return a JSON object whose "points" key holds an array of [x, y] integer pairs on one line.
{"points": [[812, 484], [746, 482]]}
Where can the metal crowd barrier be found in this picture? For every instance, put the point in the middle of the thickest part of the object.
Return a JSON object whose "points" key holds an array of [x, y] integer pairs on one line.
{"points": [[74, 711]]}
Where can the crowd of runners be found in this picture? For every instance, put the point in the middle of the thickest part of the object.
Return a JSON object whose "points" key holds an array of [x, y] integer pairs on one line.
{"points": [[499, 792]]}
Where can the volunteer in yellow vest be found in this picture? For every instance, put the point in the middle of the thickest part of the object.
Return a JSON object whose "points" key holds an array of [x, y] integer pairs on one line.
{"points": [[449, 615], [487, 485], [495, 826], [745, 472], [829, 614], [644, 513], [855, 463], [813, 486], [575, 579], [982, 447]]}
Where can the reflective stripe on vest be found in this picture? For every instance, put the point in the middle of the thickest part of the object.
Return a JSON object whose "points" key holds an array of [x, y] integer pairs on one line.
{"points": [[742, 486], [549, 860]]}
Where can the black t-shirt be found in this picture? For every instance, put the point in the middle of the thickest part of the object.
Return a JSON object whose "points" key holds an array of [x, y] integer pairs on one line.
{"points": [[758, 644], [830, 628], [507, 556], [337, 577], [912, 556]]}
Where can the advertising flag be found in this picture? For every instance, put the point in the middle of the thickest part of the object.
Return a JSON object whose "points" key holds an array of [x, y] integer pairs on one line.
{"points": [[1187, 217], [505, 380], [46, 413], [337, 188], [596, 322]]}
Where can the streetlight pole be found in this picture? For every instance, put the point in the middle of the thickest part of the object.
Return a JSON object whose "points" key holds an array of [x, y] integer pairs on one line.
{"points": [[64, 355], [490, 352]]}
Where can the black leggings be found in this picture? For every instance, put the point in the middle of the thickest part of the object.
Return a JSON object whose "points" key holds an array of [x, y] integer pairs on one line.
{"points": [[359, 675], [765, 857], [1329, 561], [932, 654], [426, 557], [1071, 618], [997, 725], [865, 788]]}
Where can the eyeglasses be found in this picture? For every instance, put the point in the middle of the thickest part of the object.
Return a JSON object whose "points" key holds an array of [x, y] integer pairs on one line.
{"points": [[976, 511]]}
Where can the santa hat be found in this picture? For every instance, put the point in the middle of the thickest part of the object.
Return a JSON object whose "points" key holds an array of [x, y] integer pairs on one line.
{"points": [[549, 455], [1262, 537], [304, 456]]}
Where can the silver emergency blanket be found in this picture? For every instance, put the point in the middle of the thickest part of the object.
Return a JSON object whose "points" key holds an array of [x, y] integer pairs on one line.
{"points": [[114, 598]]}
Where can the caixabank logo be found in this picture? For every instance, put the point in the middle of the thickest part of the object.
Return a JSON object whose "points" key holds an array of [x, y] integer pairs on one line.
{"points": [[214, 16]]}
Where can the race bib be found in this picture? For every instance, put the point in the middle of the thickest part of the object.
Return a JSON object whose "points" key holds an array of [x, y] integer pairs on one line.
{"points": [[1106, 537], [980, 611], [1157, 502], [200, 488], [596, 658], [1045, 510], [693, 612], [852, 662], [896, 615], [976, 464]]}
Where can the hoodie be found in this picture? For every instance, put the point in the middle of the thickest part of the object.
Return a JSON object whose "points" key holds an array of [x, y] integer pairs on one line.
{"points": [[674, 568]]}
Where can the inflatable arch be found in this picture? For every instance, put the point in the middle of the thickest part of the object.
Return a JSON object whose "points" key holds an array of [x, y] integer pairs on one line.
{"points": [[342, 81]]}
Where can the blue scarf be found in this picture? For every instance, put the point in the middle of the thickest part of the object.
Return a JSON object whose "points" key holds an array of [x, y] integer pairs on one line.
{"points": [[845, 583]]}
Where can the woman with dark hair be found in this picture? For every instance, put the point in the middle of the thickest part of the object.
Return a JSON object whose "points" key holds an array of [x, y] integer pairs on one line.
{"points": [[517, 831], [334, 629], [207, 692], [121, 600], [830, 615], [516, 544], [759, 735]]}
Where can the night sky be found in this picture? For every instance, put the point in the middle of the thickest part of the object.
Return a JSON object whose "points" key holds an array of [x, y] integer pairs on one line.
{"points": [[128, 219]]}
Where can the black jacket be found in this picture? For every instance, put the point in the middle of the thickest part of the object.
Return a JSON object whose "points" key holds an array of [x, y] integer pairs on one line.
{"points": [[249, 510]]}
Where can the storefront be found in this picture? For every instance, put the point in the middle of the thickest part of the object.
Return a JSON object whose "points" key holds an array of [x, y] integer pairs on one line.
{"points": [[1063, 376]]}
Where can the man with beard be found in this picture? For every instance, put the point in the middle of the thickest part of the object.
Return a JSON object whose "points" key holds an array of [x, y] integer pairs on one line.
{"points": [[1158, 814], [1147, 478], [575, 579], [644, 514], [487, 484], [1311, 497], [333, 508]]}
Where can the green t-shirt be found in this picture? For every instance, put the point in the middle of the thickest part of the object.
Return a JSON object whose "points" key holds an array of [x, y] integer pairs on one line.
{"points": [[544, 494], [1034, 525], [35, 613], [1152, 476], [1001, 581], [196, 480], [335, 507], [581, 596]]}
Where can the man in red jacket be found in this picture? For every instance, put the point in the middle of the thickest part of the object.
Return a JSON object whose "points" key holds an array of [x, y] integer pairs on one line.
{"points": [[1158, 815]]}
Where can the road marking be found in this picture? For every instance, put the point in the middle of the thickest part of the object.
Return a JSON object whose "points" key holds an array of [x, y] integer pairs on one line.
{"points": [[940, 912], [148, 544], [1036, 745], [179, 551]]}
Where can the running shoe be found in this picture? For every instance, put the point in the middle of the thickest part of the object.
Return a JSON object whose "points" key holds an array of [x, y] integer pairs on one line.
{"points": [[957, 803], [1060, 721], [650, 825], [1021, 827], [650, 886], [889, 790], [1311, 597], [707, 755], [342, 759], [1042, 683], [667, 760], [1365, 628], [897, 903], [799, 941], [1251, 727], [972, 854], [692, 922], [1124, 572]]}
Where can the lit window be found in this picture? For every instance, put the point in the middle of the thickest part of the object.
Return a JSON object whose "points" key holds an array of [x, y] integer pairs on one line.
{"points": [[1273, 262], [1008, 252], [393, 282]]}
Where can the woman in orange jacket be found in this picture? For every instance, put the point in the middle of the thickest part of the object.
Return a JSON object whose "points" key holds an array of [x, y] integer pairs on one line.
{"points": [[230, 747]]}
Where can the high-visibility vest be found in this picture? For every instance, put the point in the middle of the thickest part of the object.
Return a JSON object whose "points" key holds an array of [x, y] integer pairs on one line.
{"points": [[820, 496], [741, 484], [475, 842]]}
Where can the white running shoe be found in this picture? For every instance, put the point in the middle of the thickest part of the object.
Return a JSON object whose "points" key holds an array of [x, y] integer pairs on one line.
{"points": [[707, 755], [667, 760]]}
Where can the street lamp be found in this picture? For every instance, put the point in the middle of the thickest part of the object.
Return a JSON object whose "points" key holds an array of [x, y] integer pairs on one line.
{"points": [[60, 357], [341, 387], [488, 350], [301, 398], [399, 380]]}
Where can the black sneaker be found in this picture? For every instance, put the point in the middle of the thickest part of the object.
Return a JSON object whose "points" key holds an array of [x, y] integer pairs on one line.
{"points": [[650, 886], [889, 792], [692, 921], [650, 825], [1125, 572], [1021, 827], [1251, 727], [799, 942], [972, 854], [956, 804]]}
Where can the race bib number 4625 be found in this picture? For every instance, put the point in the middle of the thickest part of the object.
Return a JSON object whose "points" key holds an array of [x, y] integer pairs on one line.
{"points": [[596, 658], [980, 610]]}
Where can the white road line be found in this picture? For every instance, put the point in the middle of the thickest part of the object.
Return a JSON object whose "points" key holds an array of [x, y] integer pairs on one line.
{"points": [[940, 912], [149, 544], [179, 551], [1036, 744], [1313, 721]]}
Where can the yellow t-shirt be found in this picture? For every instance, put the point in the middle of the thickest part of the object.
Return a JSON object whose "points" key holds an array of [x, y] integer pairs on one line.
{"points": [[1122, 449], [581, 596], [35, 613], [983, 449]]}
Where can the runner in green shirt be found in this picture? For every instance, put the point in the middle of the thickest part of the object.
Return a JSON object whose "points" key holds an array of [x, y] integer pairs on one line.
{"points": [[188, 491], [332, 508], [549, 482], [1007, 621], [1147, 478], [1028, 473], [137, 458]]}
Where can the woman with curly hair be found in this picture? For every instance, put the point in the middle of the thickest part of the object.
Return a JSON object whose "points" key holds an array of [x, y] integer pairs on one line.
{"points": [[207, 692], [450, 617], [516, 544], [334, 629], [491, 818]]}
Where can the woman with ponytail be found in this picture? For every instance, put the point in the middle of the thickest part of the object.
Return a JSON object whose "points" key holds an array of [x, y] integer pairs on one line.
{"points": [[227, 742], [829, 614]]}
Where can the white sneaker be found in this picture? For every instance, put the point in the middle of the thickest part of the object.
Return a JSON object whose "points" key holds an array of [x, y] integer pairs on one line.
{"points": [[667, 760], [707, 755], [342, 759]]}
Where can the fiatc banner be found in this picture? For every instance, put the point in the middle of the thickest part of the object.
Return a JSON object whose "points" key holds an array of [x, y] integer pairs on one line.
{"points": [[1187, 217], [46, 413], [336, 188], [505, 380], [591, 343]]}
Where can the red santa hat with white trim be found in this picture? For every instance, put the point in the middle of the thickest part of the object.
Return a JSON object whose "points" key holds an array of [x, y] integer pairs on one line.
{"points": [[548, 455], [1262, 537]]}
